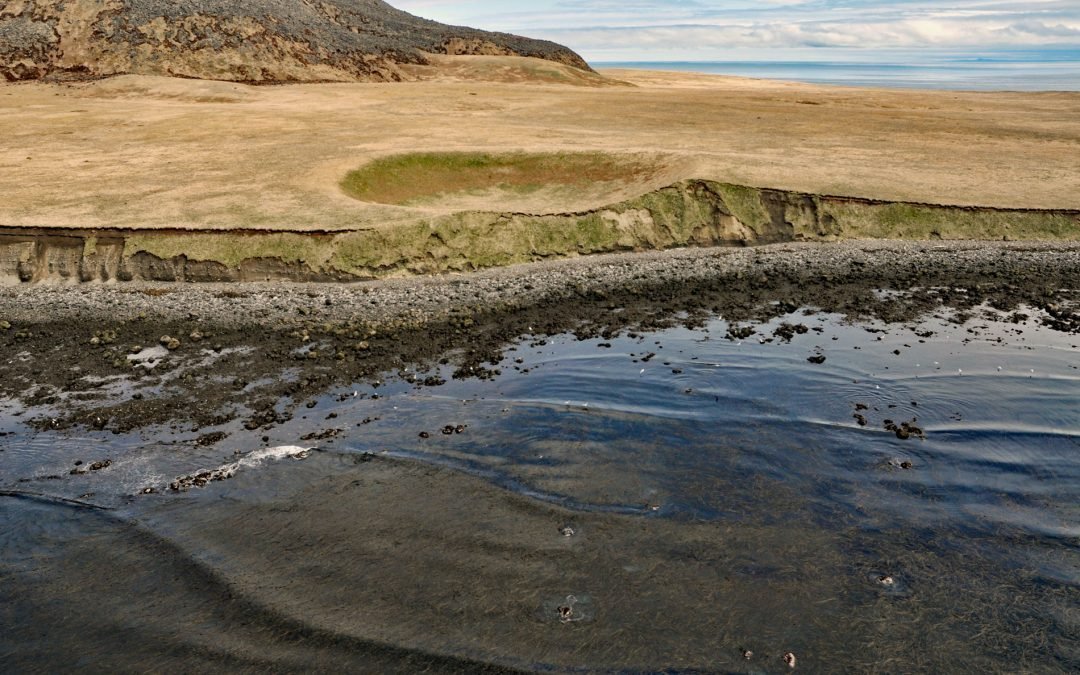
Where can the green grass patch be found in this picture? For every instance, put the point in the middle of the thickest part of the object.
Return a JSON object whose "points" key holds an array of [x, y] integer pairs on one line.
{"points": [[917, 221], [231, 249], [745, 204], [414, 177]]}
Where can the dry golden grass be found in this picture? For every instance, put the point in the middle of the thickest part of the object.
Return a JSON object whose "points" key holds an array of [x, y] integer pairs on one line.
{"points": [[142, 152]]}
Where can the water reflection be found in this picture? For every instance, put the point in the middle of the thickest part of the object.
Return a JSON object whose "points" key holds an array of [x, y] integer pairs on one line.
{"points": [[726, 492]]}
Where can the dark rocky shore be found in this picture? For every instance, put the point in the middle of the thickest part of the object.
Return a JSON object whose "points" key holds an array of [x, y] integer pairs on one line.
{"points": [[221, 349]]}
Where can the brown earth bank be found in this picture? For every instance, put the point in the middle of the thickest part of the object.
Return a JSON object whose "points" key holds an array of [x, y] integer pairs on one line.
{"points": [[62, 345], [263, 41], [690, 213]]}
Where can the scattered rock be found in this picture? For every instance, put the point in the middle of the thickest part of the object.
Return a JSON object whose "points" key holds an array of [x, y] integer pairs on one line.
{"points": [[739, 332], [266, 417], [100, 338], [322, 435], [211, 438], [896, 463], [817, 359], [904, 430], [789, 659], [170, 343], [786, 331]]}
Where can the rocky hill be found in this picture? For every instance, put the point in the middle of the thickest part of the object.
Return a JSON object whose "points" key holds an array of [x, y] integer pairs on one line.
{"points": [[237, 40]]}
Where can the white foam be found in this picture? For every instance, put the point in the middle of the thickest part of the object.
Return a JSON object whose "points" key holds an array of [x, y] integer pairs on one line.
{"points": [[252, 460], [282, 452], [149, 357]]}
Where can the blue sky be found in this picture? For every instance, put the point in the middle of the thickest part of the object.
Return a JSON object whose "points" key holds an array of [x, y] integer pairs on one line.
{"points": [[735, 29]]}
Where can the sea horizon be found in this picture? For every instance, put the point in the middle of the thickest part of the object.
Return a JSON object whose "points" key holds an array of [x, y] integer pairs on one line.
{"points": [[1055, 70]]}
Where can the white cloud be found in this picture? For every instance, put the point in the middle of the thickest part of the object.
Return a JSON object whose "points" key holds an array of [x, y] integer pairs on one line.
{"points": [[700, 28]]}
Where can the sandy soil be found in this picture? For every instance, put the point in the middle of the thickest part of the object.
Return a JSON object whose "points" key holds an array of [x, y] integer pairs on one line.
{"points": [[155, 152]]}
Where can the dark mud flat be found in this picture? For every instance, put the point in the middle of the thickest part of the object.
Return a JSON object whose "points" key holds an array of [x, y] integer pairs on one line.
{"points": [[861, 455]]}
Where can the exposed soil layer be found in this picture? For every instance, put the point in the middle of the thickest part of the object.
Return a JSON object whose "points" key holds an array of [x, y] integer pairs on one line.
{"points": [[689, 213], [243, 358], [262, 41]]}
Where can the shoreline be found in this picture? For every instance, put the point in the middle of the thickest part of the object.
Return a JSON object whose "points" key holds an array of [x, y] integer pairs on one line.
{"points": [[522, 284], [69, 345]]}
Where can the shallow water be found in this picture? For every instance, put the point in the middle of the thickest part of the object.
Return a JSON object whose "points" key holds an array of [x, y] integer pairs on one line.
{"points": [[686, 494]]}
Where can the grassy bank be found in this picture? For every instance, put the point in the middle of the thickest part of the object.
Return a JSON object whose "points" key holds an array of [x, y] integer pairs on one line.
{"points": [[688, 213]]}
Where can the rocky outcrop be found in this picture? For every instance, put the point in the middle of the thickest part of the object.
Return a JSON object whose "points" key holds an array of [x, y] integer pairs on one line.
{"points": [[251, 41]]}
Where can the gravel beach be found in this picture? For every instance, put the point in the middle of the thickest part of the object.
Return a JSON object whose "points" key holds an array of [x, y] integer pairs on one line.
{"points": [[419, 300], [62, 342]]}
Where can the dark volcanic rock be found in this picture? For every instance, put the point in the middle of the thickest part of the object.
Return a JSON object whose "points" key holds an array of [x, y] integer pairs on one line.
{"points": [[251, 41]]}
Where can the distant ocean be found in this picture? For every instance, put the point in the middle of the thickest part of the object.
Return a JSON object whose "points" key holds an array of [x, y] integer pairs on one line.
{"points": [[1026, 71]]}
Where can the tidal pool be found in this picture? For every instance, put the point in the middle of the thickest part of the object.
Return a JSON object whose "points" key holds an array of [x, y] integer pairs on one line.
{"points": [[728, 497]]}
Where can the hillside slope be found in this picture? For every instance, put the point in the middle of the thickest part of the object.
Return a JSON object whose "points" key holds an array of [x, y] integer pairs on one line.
{"points": [[252, 41]]}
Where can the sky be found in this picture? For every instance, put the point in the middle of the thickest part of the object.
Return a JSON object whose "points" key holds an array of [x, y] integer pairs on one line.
{"points": [[668, 30]]}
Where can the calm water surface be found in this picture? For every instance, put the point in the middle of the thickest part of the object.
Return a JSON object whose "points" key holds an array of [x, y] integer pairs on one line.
{"points": [[1061, 73], [724, 494]]}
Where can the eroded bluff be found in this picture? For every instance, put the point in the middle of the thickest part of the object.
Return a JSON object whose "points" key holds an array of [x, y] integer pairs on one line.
{"points": [[250, 41]]}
